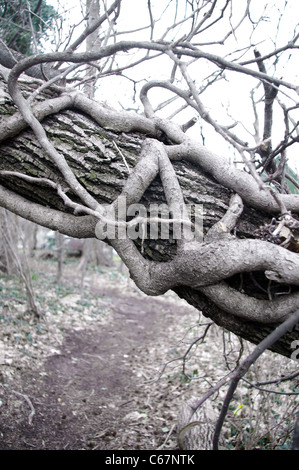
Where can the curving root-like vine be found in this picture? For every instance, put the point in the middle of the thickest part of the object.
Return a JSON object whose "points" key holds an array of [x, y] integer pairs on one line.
{"points": [[203, 263]]}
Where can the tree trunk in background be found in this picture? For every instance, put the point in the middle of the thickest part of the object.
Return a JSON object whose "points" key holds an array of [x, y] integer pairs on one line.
{"points": [[14, 253], [93, 12], [59, 242], [82, 267], [6, 259]]}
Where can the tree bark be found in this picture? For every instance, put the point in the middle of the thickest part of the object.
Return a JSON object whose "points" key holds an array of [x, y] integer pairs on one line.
{"points": [[100, 158]]}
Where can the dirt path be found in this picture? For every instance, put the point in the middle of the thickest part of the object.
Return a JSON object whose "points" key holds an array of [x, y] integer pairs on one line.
{"points": [[92, 391]]}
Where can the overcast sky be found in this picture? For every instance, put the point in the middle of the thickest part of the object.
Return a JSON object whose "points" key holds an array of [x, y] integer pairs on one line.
{"points": [[232, 94]]}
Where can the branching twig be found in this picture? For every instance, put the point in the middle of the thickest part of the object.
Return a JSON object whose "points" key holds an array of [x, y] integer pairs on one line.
{"points": [[28, 401], [241, 370]]}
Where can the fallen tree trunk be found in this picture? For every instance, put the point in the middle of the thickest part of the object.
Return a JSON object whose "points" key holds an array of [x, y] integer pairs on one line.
{"points": [[100, 156]]}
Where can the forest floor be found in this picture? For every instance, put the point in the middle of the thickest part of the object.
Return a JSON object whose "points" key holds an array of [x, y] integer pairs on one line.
{"points": [[102, 369]]}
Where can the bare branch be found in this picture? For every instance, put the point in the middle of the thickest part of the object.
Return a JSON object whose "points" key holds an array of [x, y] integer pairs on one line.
{"points": [[74, 226], [245, 365], [91, 28]]}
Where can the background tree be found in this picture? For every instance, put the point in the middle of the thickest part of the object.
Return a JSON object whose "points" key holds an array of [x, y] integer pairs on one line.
{"points": [[68, 160], [23, 24]]}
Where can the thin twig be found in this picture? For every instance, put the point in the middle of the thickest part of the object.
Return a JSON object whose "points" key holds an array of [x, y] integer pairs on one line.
{"points": [[122, 156], [27, 399], [167, 437]]}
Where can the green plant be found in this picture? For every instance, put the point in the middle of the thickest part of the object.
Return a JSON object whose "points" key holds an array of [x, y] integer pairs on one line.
{"points": [[16, 23]]}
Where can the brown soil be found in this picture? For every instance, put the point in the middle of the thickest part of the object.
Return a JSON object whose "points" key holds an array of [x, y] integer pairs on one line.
{"points": [[86, 377], [105, 368]]}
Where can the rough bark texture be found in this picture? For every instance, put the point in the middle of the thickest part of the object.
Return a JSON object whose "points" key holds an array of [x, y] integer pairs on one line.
{"points": [[93, 153]]}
